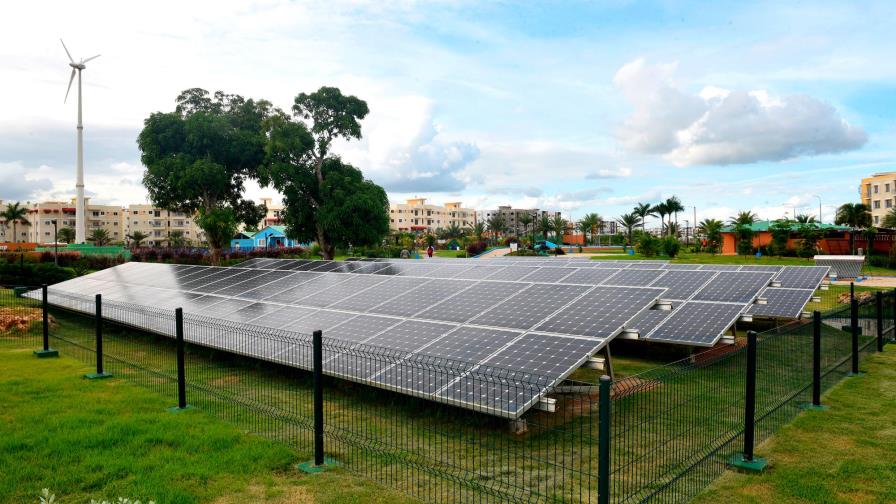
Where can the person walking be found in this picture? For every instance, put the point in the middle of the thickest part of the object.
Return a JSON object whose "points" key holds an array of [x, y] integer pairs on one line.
{"points": [[429, 251]]}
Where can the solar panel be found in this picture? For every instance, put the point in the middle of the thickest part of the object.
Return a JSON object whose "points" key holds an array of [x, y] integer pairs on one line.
{"points": [[421, 297], [307, 287], [529, 307], [720, 267], [634, 277], [697, 323], [782, 302], [338, 292], [470, 302], [601, 312], [802, 277], [734, 286], [392, 287], [682, 285], [548, 275]]}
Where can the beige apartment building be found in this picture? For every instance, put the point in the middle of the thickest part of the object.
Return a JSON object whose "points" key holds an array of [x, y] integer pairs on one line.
{"points": [[274, 216], [512, 216], [416, 215], [41, 216], [158, 224], [879, 193]]}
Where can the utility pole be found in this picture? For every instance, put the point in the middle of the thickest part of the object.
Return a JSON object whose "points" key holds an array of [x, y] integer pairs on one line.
{"points": [[55, 243]]}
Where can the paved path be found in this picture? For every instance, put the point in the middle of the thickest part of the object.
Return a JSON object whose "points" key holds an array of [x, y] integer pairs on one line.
{"points": [[876, 281], [496, 253]]}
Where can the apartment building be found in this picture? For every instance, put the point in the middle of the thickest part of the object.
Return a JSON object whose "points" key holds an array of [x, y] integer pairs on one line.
{"points": [[158, 224], [41, 216], [879, 193], [512, 216], [416, 215], [274, 215]]}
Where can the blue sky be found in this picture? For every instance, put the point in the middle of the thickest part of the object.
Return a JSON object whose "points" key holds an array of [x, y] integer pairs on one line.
{"points": [[577, 106]]}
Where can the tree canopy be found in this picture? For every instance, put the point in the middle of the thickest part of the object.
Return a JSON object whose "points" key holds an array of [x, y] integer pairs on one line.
{"points": [[325, 199], [199, 157]]}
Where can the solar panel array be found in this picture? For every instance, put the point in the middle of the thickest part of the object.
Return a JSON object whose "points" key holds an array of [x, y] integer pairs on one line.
{"points": [[719, 287], [459, 320]]}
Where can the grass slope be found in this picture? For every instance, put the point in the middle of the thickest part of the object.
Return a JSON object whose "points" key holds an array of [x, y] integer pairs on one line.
{"points": [[104, 439], [844, 455]]}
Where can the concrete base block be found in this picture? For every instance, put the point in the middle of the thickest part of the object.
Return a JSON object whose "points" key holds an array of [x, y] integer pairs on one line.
{"points": [[97, 376], [310, 468], [757, 465], [43, 354]]}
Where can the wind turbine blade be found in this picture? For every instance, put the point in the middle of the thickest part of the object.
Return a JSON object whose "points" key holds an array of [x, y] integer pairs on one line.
{"points": [[72, 79], [66, 52], [90, 58]]}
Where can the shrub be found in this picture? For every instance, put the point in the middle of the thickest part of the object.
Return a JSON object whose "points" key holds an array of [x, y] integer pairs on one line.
{"points": [[476, 248], [671, 246], [648, 245], [29, 274], [462, 254]]}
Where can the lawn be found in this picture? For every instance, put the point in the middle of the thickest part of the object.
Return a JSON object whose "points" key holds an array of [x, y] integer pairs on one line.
{"points": [[702, 258], [107, 439], [844, 455]]}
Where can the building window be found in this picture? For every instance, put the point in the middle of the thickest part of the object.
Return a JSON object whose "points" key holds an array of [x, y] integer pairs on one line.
{"points": [[876, 188], [876, 204], [888, 203], [876, 219], [887, 187]]}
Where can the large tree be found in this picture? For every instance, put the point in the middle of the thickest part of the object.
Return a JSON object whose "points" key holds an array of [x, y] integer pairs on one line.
{"points": [[629, 221], [325, 199], [199, 157]]}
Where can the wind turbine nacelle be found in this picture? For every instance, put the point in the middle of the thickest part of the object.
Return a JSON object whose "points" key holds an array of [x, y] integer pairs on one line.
{"points": [[79, 66]]}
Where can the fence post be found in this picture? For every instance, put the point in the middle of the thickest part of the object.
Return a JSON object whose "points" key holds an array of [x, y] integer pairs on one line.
{"points": [[879, 301], [181, 371], [746, 461], [46, 351], [98, 319], [603, 465], [893, 308], [320, 463], [852, 291], [816, 364], [854, 329]]}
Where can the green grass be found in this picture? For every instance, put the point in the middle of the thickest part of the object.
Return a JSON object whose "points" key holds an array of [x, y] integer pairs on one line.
{"points": [[447, 253], [104, 439], [844, 455], [703, 258]]}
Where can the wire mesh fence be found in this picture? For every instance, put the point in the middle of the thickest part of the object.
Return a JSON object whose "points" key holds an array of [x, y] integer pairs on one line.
{"points": [[671, 430]]}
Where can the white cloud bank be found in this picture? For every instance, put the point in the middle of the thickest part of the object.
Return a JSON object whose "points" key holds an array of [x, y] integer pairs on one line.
{"points": [[720, 126]]}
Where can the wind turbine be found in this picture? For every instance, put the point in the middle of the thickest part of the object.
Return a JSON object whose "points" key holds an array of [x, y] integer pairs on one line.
{"points": [[80, 207]]}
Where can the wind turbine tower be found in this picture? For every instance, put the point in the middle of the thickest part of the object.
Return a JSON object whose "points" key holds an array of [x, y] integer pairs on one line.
{"points": [[80, 206]]}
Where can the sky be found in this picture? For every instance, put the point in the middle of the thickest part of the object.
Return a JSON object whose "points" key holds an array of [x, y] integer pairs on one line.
{"points": [[573, 106]]}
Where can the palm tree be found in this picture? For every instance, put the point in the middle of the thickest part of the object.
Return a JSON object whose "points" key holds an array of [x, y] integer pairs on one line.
{"points": [[592, 224], [558, 224], [176, 239], [99, 237], [629, 221], [889, 219], [66, 235], [856, 216], [804, 219], [496, 225], [137, 238], [476, 231], [14, 214], [712, 230], [583, 227], [643, 211], [545, 226], [673, 206], [743, 218], [672, 229], [661, 209], [526, 219], [453, 231]]}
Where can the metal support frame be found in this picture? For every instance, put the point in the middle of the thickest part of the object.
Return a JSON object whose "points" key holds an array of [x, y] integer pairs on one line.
{"points": [[320, 462], [879, 313]]}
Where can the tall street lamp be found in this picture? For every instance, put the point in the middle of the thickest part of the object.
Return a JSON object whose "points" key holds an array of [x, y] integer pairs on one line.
{"points": [[55, 243]]}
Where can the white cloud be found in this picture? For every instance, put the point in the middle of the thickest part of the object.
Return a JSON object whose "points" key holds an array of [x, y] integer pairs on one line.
{"points": [[403, 149], [609, 173], [20, 184], [720, 126]]}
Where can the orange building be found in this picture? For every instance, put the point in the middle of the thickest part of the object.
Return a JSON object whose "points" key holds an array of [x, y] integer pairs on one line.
{"points": [[834, 241]]}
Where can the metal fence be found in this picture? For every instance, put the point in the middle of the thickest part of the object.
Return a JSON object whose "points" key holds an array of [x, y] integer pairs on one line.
{"points": [[658, 436]]}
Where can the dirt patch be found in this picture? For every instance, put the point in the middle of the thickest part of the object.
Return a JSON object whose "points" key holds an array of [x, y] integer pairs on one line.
{"points": [[632, 385], [225, 380], [280, 493], [718, 351], [861, 297], [19, 319]]}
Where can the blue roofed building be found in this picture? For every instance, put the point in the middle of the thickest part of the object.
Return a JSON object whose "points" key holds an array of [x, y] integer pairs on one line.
{"points": [[266, 238]]}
